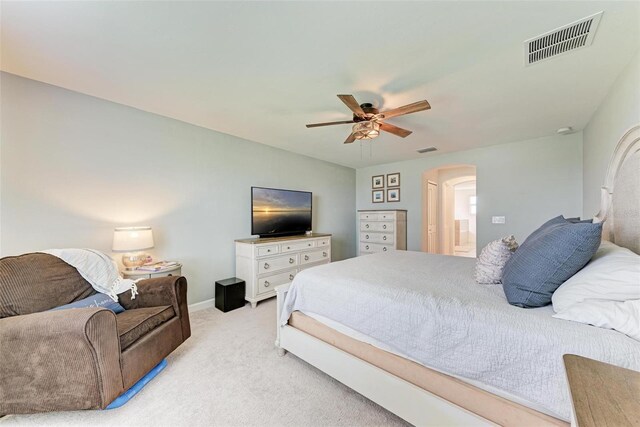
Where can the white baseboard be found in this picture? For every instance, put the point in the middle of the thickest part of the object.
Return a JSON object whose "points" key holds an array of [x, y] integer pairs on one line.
{"points": [[202, 305]]}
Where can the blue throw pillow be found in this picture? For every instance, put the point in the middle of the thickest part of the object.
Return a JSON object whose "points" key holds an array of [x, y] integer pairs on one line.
{"points": [[577, 219], [547, 258], [97, 300]]}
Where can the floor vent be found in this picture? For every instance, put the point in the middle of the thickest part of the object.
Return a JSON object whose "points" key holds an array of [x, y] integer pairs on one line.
{"points": [[427, 150], [570, 37]]}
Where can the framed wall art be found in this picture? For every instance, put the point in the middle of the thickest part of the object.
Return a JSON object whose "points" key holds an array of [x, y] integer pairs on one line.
{"points": [[393, 179], [393, 194], [377, 196]]}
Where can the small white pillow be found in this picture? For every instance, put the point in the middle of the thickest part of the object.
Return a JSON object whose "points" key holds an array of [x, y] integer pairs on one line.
{"points": [[622, 316], [613, 274], [492, 259]]}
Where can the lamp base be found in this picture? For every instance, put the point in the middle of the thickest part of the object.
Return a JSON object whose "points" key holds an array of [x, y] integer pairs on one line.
{"points": [[133, 260]]}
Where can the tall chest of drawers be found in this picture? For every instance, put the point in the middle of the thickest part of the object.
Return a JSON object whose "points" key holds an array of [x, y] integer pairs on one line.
{"points": [[382, 231], [266, 263]]}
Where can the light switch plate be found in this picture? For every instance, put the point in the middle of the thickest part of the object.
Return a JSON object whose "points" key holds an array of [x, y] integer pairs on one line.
{"points": [[498, 220]]}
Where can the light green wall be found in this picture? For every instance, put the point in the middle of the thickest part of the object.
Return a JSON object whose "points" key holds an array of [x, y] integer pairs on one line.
{"points": [[74, 166], [619, 111], [528, 182]]}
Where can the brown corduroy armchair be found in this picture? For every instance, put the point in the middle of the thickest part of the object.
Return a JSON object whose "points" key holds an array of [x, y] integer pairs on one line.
{"points": [[79, 358]]}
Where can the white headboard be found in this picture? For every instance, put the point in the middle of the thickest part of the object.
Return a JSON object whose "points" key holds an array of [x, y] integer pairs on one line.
{"points": [[620, 203]]}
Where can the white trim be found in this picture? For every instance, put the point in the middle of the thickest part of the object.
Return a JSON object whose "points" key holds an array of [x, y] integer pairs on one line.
{"points": [[202, 305], [413, 404], [628, 144]]}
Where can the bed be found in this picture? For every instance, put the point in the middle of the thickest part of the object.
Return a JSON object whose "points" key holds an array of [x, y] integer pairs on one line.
{"points": [[414, 333]]}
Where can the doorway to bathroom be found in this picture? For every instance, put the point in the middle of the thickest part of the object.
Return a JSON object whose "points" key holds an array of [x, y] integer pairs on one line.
{"points": [[449, 208]]}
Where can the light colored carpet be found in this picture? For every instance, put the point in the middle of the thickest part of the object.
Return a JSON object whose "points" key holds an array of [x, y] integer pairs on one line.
{"points": [[229, 374]]}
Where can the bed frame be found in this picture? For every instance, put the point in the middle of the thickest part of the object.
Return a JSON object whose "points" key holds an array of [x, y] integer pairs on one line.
{"points": [[620, 210], [413, 404]]}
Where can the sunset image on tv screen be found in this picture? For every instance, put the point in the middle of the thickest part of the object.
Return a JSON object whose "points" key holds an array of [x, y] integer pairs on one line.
{"points": [[280, 211]]}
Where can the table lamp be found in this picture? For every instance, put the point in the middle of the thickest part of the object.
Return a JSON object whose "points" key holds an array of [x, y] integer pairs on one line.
{"points": [[132, 240]]}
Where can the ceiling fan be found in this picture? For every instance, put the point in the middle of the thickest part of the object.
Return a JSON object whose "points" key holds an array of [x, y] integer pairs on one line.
{"points": [[368, 121]]}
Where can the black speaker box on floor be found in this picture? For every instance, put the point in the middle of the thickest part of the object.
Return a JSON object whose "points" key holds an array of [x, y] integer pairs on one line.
{"points": [[229, 294]]}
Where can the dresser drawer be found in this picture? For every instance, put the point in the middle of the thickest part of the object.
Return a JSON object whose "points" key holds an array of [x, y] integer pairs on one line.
{"points": [[315, 256], [375, 237], [374, 247], [371, 216], [268, 265], [268, 250], [268, 283], [323, 243], [377, 226], [297, 246], [387, 216]]}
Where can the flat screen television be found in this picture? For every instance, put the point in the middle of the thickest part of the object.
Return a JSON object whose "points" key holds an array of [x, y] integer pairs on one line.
{"points": [[280, 212]]}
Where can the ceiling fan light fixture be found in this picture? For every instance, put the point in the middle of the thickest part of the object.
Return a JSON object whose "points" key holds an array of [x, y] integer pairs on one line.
{"points": [[366, 130]]}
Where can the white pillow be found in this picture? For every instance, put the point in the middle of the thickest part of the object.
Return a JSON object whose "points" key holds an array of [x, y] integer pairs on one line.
{"points": [[492, 259], [613, 274], [622, 316]]}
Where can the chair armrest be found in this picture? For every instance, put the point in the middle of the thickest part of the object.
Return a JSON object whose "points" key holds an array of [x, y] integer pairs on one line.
{"points": [[168, 290], [59, 360]]}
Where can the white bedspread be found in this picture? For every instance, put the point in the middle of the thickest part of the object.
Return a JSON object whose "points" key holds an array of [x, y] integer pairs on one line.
{"points": [[429, 308]]}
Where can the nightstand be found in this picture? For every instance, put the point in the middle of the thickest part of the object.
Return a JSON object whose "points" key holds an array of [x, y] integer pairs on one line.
{"points": [[602, 394], [138, 274]]}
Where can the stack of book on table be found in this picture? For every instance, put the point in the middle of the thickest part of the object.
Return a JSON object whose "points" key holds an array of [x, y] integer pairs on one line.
{"points": [[158, 266]]}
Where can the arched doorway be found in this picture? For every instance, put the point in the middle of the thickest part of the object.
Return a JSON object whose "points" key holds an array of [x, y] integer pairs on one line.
{"points": [[449, 210]]}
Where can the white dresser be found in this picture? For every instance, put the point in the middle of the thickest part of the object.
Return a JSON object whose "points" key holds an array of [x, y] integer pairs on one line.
{"points": [[266, 263], [382, 231]]}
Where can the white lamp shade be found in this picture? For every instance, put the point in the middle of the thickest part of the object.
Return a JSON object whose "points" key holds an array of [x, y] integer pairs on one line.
{"points": [[128, 239]]}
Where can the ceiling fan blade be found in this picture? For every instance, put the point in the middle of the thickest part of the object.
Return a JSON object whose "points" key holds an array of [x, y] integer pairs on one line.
{"points": [[353, 105], [387, 127], [351, 138], [407, 109], [315, 125]]}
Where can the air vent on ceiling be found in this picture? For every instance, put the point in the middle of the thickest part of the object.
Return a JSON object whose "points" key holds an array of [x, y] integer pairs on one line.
{"points": [[427, 150], [570, 37]]}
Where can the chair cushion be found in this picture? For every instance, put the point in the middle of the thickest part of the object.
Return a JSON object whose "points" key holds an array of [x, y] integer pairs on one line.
{"points": [[137, 322], [37, 282]]}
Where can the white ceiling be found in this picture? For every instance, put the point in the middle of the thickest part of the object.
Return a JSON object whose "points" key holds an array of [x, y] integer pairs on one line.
{"points": [[262, 70]]}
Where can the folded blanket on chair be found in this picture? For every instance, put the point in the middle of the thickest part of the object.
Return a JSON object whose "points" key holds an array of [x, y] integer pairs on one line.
{"points": [[99, 269]]}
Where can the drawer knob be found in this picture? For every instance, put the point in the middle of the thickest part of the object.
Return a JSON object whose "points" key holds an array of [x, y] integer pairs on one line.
{"points": [[266, 284], [367, 247], [268, 250], [288, 247], [384, 237], [366, 237], [266, 266], [308, 244], [306, 257], [324, 254], [291, 260], [384, 226], [291, 277], [384, 249], [366, 226]]}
